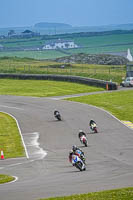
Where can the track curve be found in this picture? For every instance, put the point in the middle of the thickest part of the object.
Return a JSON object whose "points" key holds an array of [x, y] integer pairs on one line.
{"points": [[108, 156]]}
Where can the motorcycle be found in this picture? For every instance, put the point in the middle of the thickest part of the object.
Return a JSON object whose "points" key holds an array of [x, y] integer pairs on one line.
{"points": [[58, 116], [93, 127], [83, 140], [78, 163], [80, 154]]}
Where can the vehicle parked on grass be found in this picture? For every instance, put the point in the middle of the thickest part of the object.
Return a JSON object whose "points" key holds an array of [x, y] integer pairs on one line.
{"points": [[128, 82]]}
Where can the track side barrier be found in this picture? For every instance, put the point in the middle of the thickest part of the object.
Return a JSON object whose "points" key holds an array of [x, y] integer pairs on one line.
{"points": [[77, 79]]}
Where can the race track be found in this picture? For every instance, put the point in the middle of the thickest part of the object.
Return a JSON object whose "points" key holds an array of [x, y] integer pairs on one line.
{"points": [[109, 156]]}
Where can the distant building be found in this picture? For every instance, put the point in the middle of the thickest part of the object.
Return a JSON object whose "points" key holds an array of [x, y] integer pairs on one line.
{"points": [[60, 44], [24, 34], [28, 33], [11, 33]]}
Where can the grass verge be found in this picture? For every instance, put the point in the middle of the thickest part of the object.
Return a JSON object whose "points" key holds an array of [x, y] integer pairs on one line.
{"points": [[42, 88], [118, 194], [10, 140], [119, 103], [5, 178]]}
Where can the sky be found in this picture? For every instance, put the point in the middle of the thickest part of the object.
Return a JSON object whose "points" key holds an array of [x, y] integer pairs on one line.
{"points": [[19, 13]]}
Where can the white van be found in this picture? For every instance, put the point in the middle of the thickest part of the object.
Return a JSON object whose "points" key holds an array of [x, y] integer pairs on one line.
{"points": [[128, 82]]}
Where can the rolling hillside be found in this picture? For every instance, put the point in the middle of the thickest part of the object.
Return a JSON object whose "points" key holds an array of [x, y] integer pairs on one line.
{"points": [[90, 43]]}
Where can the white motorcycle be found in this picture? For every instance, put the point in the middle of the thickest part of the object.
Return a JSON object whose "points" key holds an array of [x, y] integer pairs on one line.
{"points": [[83, 140], [78, 163]]}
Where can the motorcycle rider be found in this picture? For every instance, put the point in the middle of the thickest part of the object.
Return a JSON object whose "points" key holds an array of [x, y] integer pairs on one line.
{"points": [[74, 151], [81, 133], [83, 138], [56, 112], [75, 148], [75, 160], [70, 156], [92, 123], [57, 115]]}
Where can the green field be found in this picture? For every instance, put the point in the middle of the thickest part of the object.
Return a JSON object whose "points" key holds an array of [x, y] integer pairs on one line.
{"points": [[40, 55], [103, 49], [90, 44], [115, 39], [42, 88], [104, 44]]}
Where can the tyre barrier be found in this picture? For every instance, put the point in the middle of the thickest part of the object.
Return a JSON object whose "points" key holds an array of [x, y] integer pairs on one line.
{"points": [[76, 79]]}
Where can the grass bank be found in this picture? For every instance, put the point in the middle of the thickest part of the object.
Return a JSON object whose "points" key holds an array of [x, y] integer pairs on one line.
{"points": [[10, 140], [118, 194], [5, 178], [118, 103], [42, 88]]}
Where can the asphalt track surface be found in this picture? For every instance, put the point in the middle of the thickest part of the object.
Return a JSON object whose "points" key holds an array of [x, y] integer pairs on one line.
{"points": [[109, 155]]}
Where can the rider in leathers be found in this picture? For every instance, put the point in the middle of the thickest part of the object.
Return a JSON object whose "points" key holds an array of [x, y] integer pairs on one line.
{"points": [[92, 122], [81, 133], [75, 148], [56, 112]]}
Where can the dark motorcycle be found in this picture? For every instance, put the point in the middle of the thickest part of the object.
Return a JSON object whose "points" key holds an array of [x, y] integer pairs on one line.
{"points": [[58, 116]]}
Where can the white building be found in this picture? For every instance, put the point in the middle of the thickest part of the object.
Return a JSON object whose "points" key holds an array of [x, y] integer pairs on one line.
{"points": [[60, 44]]}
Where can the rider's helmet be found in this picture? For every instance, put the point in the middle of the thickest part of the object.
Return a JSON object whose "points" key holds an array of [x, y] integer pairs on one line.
{"points": [[74, 148], [80, 131], [55, 111], [91, 121]]}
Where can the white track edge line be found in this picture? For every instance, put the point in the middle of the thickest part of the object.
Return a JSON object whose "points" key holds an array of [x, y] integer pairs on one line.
{"points": [[15, 179]]}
